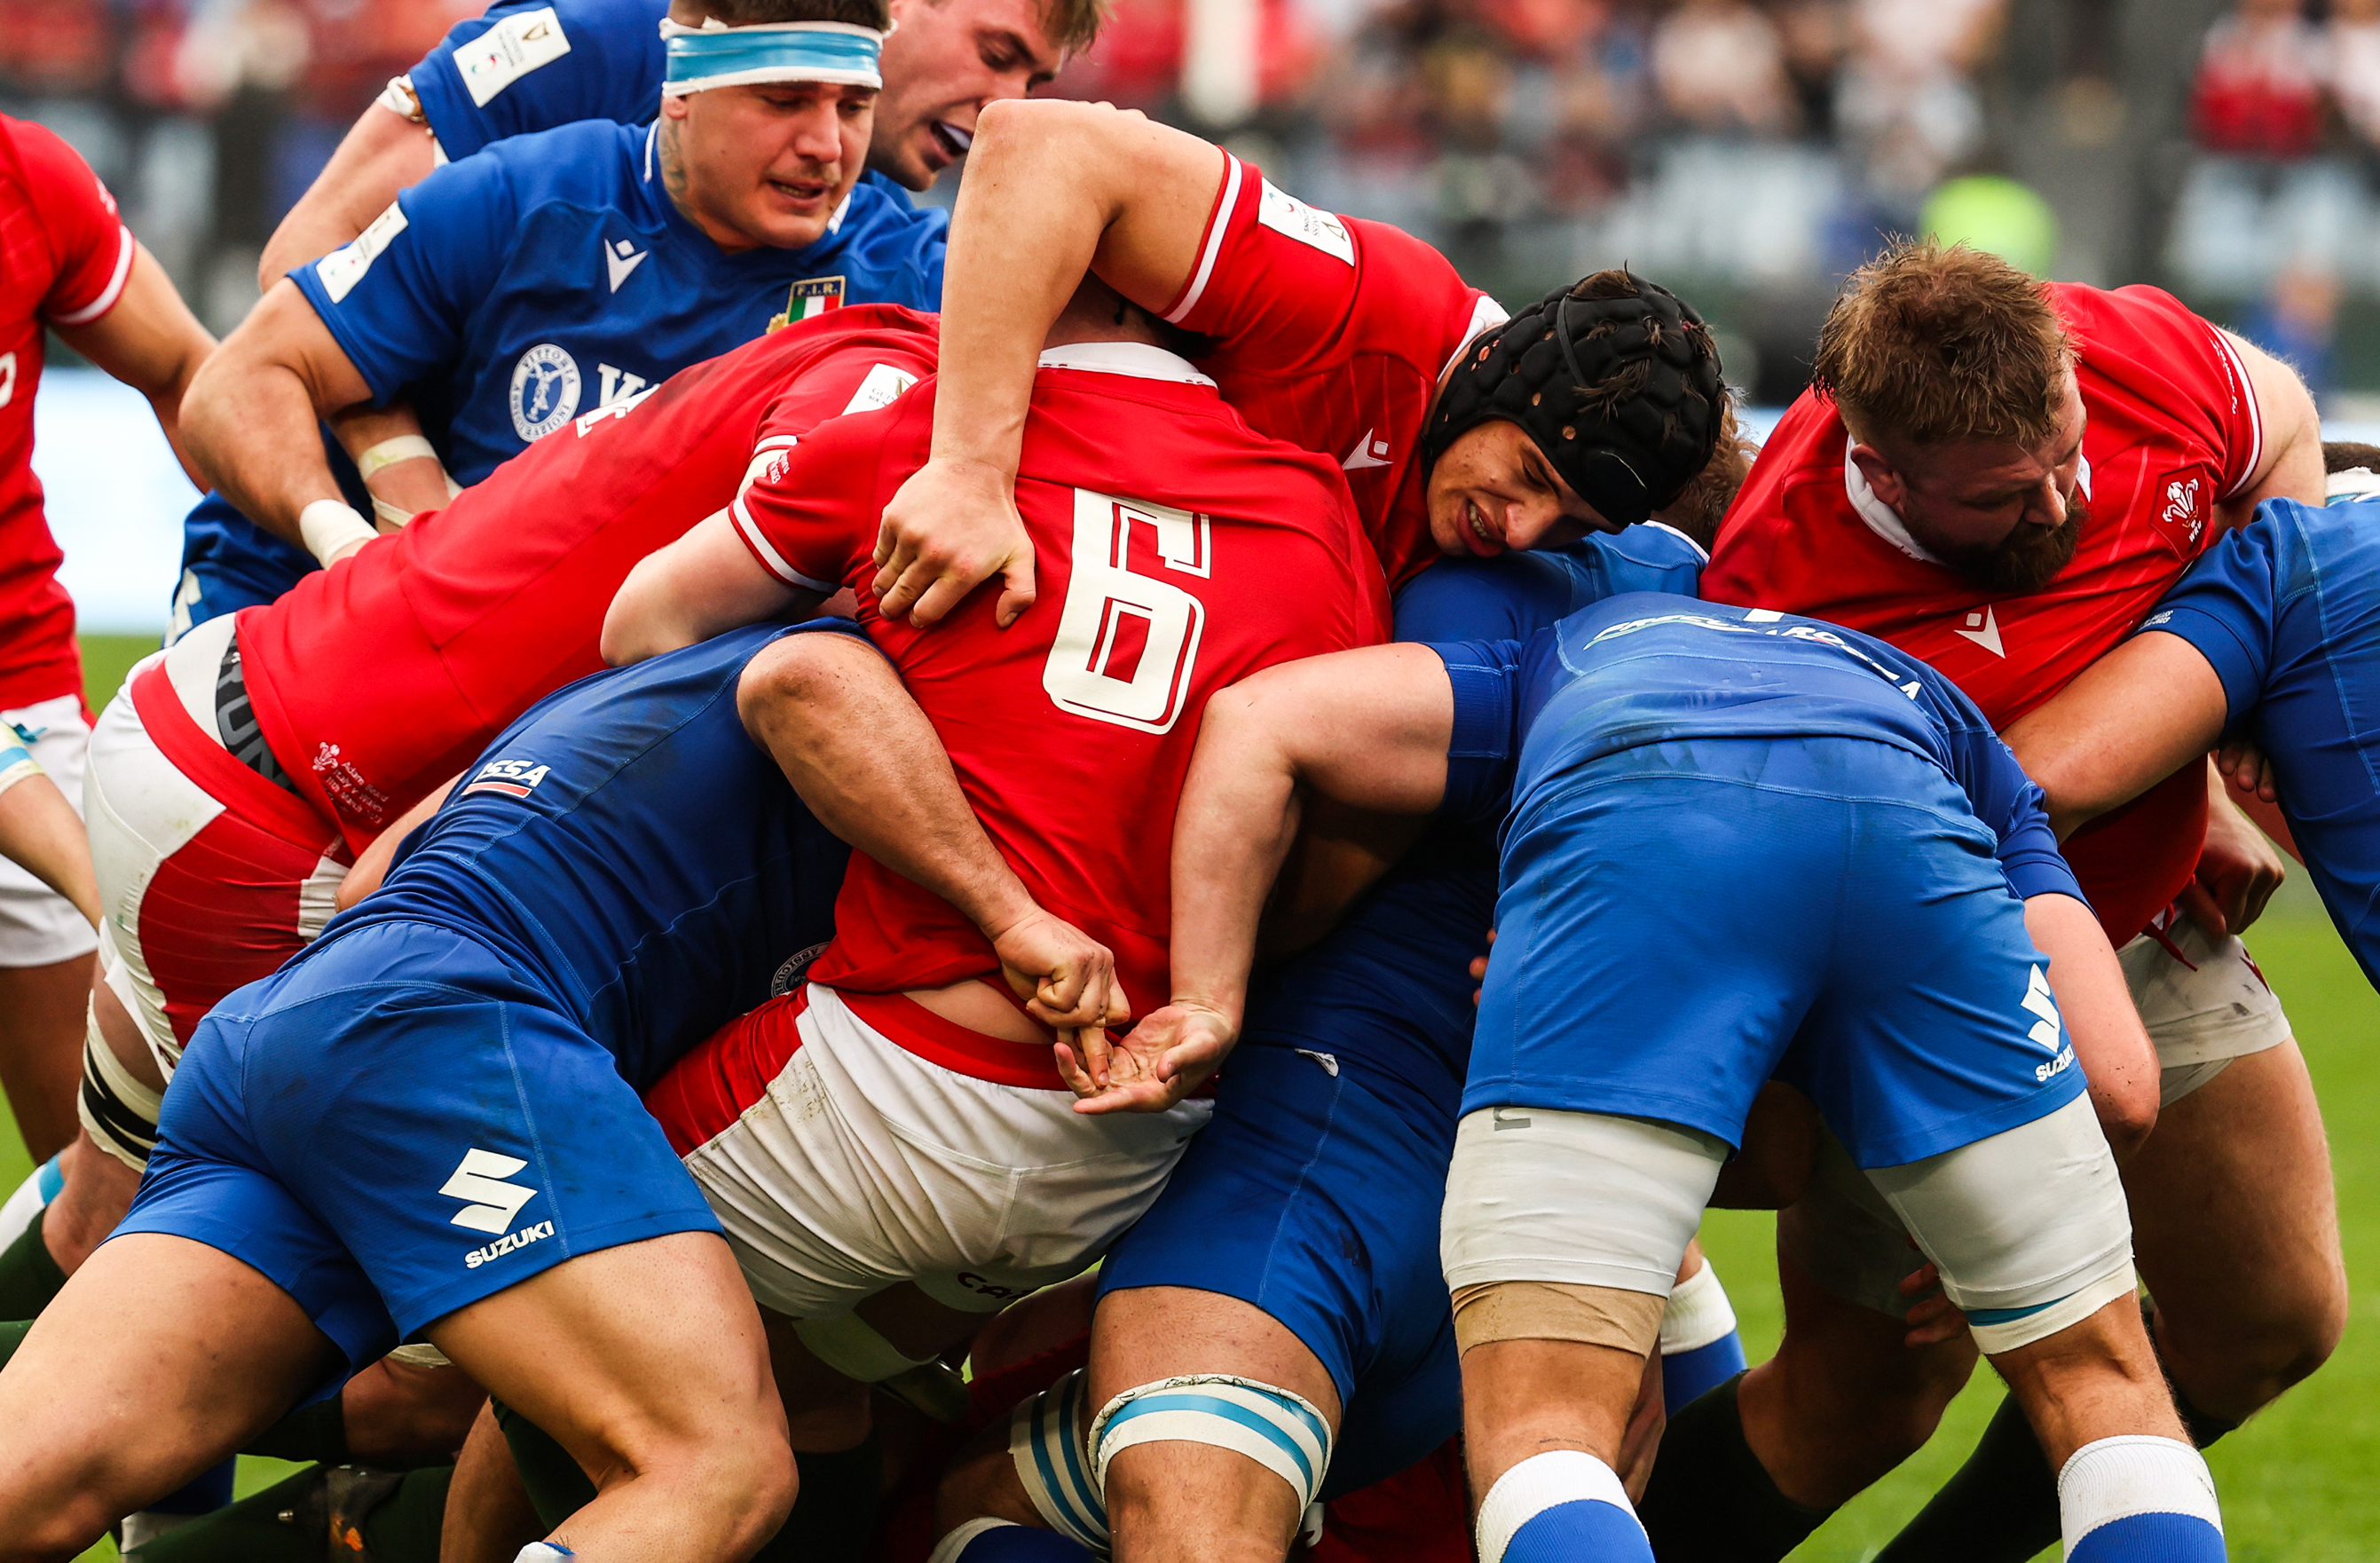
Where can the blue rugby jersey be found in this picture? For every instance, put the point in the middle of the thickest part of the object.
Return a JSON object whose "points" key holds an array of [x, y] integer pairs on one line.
{"points": [[531, 64], [2287, 611], [1389, 988], [546, 278], [1647, 668], [629, 846]]}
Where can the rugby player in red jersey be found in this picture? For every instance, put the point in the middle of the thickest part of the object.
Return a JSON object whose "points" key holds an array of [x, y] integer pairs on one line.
{"points": [[892, 1149], [2003, 477], [237, 775], [1331, 332], [67, 264]]}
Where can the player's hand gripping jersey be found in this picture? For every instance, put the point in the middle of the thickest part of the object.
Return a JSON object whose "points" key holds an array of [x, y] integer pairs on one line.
{"points": [[64, 256], [2172, 430], [1179, 553], [237, 776], [1332, 332]]}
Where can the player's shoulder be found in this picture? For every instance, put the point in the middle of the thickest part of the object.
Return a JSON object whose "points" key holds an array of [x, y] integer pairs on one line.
{"points": [[585, 162], [2138, 322], [47, 171]]}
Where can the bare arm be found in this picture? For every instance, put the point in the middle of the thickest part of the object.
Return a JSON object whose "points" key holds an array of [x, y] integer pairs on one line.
{"points": [[1054, 190], [251, 413], [2291, 464], [381, 153], [41, 832], [388, 446], [151, 342], [2129, 720], [1367, 728], [372, 863], [831, 713], [704, 584], [2101, 1022]]}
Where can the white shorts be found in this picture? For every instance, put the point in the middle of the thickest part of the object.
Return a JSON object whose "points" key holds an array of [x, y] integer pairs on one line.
{"points": [[38, 926], [209, 876], [863, 1165], [2204, 1010]]}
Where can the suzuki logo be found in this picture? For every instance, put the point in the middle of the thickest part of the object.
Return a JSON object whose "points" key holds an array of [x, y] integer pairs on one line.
{"points": [[481, 1179]]}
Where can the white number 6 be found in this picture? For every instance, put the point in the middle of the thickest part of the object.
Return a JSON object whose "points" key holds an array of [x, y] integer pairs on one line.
{"points": [[1111, 613]]}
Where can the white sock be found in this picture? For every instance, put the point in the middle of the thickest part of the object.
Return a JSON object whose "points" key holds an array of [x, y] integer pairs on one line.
{"points": [[543, 1552], [2115, 1479], [1698, 1313], [1540, 1483]]}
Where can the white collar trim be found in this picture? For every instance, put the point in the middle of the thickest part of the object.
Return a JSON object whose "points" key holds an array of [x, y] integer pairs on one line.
{"points": [[1881, 518], [1885, 521], [1138, 359]]}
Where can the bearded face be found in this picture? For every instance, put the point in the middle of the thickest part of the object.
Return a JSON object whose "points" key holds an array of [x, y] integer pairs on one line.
{"points": [[2026, 560]]}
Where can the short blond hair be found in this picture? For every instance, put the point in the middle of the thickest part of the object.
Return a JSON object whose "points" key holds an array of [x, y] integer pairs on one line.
{"points": [[1928, 343], [1073, 25]]}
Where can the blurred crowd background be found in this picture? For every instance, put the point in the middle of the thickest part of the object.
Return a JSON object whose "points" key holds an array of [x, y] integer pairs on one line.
{"points": [[1746, 152]]}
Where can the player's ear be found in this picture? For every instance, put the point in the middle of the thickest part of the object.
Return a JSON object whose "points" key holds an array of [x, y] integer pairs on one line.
{"points": [[1880, 474]]}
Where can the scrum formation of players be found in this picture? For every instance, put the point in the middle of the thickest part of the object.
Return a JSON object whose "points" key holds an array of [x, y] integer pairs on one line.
{"points": [[809, 842]]}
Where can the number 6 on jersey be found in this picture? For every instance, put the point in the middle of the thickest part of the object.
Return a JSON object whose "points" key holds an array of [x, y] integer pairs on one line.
{"points": [[1126, 642]]}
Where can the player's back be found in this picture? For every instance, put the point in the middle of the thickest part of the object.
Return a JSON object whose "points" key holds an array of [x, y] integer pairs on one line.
{"points": [[626, 844], [1177, 551], [377, 678]]}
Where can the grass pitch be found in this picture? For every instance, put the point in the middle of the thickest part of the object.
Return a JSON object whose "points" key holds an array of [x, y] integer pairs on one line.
{"points": [[2297, 1483]]}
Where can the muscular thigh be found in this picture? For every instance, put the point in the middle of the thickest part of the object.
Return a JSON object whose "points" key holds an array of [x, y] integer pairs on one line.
{"points": [[2233, 1214]]}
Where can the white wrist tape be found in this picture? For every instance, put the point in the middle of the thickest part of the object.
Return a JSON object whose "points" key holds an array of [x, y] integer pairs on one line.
{"points": [[1698, 1313], [388, 453], [328, 525]]}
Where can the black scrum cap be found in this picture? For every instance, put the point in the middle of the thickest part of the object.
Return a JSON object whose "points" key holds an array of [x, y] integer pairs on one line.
{"points": [[1622, 395]]}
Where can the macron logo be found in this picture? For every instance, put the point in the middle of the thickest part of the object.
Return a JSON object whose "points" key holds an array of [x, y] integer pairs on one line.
{"points": [[479, 1179], [1368, 452], [1982, 629], [620, 259]]}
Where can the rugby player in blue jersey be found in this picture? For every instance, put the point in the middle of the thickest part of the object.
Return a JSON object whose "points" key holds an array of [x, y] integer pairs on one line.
{"points": [[547, 278], [1293, 1258], [427, 1125], [1735, 845], [2270, 647]]}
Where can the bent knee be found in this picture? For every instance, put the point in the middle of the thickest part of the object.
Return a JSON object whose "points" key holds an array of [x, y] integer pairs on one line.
{"points": [[2232, 1364]]}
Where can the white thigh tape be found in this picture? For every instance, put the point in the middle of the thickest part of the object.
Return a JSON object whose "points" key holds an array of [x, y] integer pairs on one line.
{"points": [[951, 1548], [1575, 1199], [1278, 1430], [118, 1111], [2031, 1216], [1047, 1446]]}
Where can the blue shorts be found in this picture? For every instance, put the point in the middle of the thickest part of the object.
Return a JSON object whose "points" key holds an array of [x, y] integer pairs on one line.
{"points": [[1680, 921], [1314, 1196], [398, 1124]]}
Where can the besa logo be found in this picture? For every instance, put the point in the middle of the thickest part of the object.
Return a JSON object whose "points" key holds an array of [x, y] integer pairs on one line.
{"points": [[2182, 506], [512, 778]]}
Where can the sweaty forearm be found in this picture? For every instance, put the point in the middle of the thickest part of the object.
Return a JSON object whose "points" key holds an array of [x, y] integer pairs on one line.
{"points": [[2096, 1010], [834, 716], [1238, 815], [252, 428]]}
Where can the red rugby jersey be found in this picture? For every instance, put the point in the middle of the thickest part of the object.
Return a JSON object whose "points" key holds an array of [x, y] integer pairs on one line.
{"points": [[1333, 332], [1177, 551], [377, 678], [64, 256], [2172, 429]]}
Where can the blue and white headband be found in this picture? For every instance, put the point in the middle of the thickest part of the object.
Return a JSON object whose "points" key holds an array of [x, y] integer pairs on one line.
{"points": [[717, 56]]}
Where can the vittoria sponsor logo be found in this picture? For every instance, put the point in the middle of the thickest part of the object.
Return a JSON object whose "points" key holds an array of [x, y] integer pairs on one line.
{"points": [[789, 976], [508, 1244], [511, 779]]}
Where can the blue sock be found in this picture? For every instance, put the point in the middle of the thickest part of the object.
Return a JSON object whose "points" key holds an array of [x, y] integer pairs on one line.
{"points": [[1686, 1376], [997, 1541], [205, 1493], [1700, 1348], [1582, 1530], [1563, 1507], [2139, 1499]]}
